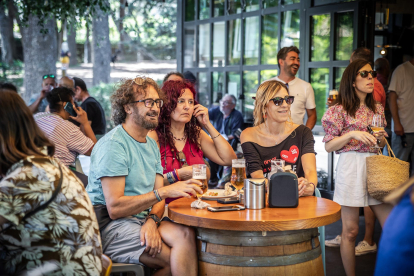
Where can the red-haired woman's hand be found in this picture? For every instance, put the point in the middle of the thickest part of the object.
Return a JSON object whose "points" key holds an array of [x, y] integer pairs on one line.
{"points": [[201, 113]]}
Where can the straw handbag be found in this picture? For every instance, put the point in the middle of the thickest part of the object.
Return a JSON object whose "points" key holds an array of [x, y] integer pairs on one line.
{"points": [[385, 173]]}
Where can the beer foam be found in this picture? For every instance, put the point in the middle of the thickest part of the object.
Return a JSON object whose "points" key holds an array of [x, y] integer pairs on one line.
{"points": [[239, 166], [200, 177]]}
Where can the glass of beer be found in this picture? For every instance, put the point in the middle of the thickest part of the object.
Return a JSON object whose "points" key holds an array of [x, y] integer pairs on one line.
{"points": [[376, 126], [200, 174], [238, 173], [333, 95]]}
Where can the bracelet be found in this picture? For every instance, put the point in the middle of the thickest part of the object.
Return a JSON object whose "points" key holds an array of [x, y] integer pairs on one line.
{"points": [[173, 177], [216, 136], [170, 178], [314, 187], [175, 173], [157, 195]]}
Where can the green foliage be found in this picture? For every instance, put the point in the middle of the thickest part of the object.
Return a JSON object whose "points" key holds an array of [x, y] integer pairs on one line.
{"points": [[47, 9], [320, 83], [12, 73], [320, 40], [269, 39]]}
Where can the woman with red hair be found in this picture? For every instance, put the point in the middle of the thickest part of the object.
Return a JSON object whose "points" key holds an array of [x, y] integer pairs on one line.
{"points": [[180, 137]]}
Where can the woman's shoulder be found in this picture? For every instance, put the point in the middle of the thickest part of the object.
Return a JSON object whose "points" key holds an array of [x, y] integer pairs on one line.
{"points": [[249, 135]]}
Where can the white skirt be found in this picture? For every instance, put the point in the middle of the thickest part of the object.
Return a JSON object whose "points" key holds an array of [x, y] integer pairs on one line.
{"points": [[351, 180]]}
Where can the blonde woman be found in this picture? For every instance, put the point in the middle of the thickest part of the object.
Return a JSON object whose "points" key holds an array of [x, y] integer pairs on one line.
{"points": [[274, 136]]}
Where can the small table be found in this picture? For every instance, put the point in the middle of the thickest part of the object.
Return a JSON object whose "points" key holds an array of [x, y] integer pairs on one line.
{"points": [[269, 241]]}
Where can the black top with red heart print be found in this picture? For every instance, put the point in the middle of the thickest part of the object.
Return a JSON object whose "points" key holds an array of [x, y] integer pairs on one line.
{"points": [[298, 143]]}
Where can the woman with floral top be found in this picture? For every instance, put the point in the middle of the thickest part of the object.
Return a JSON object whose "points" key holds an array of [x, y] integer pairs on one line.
{"points": [[345, 124], [61, 239]]}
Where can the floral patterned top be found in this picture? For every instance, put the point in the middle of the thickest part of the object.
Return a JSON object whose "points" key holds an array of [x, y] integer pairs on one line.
{"points": [[62, 239], [337, 122]]}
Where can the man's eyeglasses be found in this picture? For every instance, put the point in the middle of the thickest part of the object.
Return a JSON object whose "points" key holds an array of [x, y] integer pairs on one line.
{"points": [[279, 100], [150, 102], [365, 73], [48, 76], [225, 103]]}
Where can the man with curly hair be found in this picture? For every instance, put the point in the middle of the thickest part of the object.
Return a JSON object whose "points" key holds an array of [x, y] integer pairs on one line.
{"points": [[126, 179]]}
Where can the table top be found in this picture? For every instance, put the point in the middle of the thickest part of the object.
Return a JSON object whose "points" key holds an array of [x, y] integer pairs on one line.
{"points": [[311, 212]]}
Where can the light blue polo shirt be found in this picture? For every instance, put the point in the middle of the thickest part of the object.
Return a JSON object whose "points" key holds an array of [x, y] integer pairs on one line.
{"points": [[118, 154]]}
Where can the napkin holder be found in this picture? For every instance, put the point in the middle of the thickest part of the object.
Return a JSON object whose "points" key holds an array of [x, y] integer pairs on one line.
{"points": [[283, 190]]}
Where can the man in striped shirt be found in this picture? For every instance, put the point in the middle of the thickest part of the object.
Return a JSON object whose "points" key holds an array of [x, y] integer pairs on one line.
{"points": [[69, 139]]}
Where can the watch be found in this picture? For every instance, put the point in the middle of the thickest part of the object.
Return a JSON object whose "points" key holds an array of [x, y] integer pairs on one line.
{"points": [[155, 218]]}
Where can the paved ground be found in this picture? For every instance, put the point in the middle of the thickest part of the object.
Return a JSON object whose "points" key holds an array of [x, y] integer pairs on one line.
{"points": [[365, 264], [152, 69]]}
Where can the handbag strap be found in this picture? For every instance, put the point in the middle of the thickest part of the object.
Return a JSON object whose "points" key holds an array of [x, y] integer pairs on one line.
{"points": [[389, 149]]}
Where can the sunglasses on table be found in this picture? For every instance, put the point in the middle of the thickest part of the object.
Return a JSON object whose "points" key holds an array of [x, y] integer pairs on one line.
{"points": [[150, 102], [365, 73], [48, 76], [279, 100]]}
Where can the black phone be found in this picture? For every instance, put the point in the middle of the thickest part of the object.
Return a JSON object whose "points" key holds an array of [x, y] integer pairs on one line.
{"points": [[228, 200], [69, 109], [226, 208]]}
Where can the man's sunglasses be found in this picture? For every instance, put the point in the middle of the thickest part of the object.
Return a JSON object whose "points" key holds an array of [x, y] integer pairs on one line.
{"points": [[48, 76], [150, 102], [365, 74], [279, 100]]}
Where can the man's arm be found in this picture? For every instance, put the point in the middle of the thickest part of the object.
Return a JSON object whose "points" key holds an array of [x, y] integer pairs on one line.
{"points": [[35, 105], [158, 208], [310, 123], [236, 124], [392, 101]]}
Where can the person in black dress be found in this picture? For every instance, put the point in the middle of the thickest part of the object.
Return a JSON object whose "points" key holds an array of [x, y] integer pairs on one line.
{"points": [[275, 136]]}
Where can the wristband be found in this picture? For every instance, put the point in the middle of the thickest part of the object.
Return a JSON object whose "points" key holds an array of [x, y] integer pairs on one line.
{"points": [[314, 187], [175, 173], [157, 195], [170, 178]]}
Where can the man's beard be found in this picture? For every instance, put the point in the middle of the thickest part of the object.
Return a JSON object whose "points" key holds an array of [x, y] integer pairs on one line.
{"points": [[143, 122]]}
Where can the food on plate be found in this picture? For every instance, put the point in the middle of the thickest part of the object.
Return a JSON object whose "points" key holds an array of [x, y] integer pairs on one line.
{"points": [[227, 189], [211, 194]]}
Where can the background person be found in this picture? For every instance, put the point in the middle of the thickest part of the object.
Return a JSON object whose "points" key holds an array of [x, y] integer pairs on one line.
{"points": [[38, 102], [94, 110], [289, 63], [345, 124], [227, 120], [401, 100], [174, 76], [56, 235], [126, 177], [273, 132], [180, 136], [68, 138], [8, 86]]}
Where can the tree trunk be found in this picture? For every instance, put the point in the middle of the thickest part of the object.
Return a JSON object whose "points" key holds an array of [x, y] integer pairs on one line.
{"points": [[71, 35], [121, 25], [37, 49], [101, 48], [87, 47], [7, 39]]}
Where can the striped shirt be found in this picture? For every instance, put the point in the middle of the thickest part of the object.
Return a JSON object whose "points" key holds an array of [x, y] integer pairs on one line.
{"points": [[68, 139]]}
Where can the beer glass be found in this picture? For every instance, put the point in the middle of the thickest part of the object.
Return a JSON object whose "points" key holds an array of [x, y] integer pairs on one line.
{"points": [[238, 173], [200, 174], [333, 94], [376, 126]]}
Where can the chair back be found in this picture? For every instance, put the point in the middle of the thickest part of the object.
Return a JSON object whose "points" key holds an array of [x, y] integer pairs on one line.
{"points": [[106, 265]]}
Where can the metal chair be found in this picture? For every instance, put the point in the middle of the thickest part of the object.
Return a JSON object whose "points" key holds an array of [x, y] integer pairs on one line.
{"points": [[138, 270], [321, 235]]}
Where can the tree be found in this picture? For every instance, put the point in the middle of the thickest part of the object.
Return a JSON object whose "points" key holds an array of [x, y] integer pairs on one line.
{"points": [[39, 50], [6, 31], [37, 21], [71, 35], [101, 48]]}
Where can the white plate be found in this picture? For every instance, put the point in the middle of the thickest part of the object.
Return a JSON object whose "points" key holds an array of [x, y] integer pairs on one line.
{"points": [[220, 194]]}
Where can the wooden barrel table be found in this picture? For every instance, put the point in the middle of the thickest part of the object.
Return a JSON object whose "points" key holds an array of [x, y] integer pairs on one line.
{"points": [[270, 241]]}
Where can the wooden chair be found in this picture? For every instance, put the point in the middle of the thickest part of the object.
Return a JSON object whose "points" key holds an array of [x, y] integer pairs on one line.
{"points": [[321, 235], [106, 265]]}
